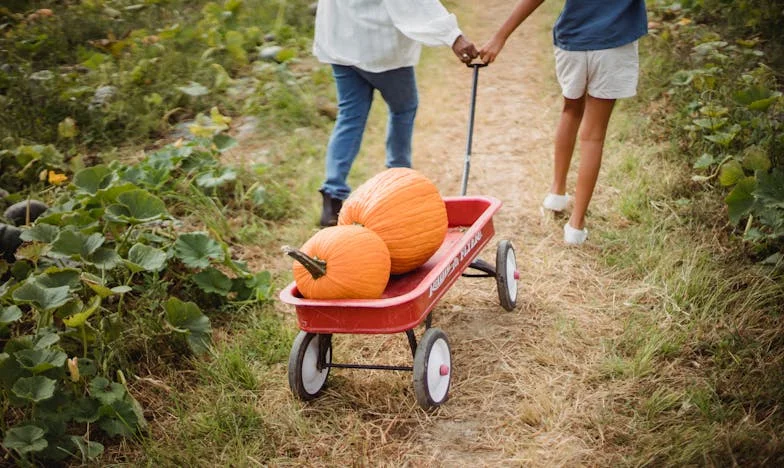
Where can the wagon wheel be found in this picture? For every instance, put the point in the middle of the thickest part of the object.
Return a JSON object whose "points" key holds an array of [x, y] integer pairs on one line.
{"points": [[432, 369], [506, 274], [306, 377]]}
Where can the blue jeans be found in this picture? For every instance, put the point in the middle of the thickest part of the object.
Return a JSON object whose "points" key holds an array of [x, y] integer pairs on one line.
{"points": [[355, 95]]}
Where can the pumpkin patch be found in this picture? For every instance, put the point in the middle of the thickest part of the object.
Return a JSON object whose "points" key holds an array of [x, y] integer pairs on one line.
{"points": [[341, 262], [405, 209]]}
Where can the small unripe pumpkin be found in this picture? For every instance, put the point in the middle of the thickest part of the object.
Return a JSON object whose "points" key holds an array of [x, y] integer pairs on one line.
{"points": [[341, 262], [405, 209]]}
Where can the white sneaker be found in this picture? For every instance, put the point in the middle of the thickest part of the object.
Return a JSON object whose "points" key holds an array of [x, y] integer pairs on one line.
{"points": [[554, 202], [574, 236]]}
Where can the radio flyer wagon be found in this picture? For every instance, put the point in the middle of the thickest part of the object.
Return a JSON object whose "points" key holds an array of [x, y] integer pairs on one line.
{"points": [[407, 301]]}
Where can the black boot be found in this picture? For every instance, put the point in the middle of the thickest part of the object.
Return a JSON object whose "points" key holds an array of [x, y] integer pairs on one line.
{"points": [[330, 209]]}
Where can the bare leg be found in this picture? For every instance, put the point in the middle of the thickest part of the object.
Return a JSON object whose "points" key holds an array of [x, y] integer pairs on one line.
{"points": [[592, 133], [565, 136]]}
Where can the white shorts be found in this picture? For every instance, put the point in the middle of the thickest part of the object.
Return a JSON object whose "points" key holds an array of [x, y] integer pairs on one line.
{"points": [[604, 74]]}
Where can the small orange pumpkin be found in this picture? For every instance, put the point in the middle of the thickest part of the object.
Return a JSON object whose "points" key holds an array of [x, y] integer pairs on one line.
{"points": [[405, 209], [341, 262]]}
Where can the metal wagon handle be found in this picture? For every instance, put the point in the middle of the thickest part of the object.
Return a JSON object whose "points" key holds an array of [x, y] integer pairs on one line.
{"points": [[467, 164]]}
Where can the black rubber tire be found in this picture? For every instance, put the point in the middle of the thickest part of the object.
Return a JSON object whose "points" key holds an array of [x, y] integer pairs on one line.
{"points": [[433, 337], [506, 295], [298, 364]]}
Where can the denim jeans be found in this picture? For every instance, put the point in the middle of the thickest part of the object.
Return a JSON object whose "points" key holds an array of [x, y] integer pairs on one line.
{"points": [[355, 89]]}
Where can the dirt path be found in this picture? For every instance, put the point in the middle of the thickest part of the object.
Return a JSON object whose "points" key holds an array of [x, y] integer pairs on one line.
{"points": [[528, 386], [526, 390]]}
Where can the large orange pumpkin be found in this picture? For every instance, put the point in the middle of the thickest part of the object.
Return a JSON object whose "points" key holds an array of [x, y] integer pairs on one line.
{"points": [[341, 262], [405, 209]]}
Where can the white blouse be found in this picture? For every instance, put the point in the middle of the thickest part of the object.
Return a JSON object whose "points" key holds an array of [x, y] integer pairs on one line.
{"points": [[380, 35]]}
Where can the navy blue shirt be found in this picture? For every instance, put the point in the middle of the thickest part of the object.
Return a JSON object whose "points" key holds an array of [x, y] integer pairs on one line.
{"points": [[600, 24]]}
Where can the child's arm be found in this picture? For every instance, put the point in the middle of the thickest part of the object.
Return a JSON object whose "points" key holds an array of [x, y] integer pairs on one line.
{"points": [[521, 11]]}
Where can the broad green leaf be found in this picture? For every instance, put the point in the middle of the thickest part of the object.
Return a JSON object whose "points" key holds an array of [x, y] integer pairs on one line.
{"points": [[71, 243], [57, 277], [704, 161], [731, 172], [93, 179], [96, 284], [90, 450], [121, 289], [216, 177], [67, 128], [105, 391], [78, 319], [104, 258], [35, 389], [755, 159], [741, 198], [145, 258], [711, 124], [187, 318], [40, 233], [120, 419], [257, 287], [46, 340], [194, 89], [757, 98], [770, 188], [25, 439], [724, 138], [213, 281], [85, 410], [196, 250], [137, 206], [41, 297], [40, 360], [10, 314], [224, 142]]}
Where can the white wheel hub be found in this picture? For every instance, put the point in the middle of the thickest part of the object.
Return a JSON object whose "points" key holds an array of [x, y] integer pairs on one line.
{"points": [[511, 275], [439, 370], [312, 378]]}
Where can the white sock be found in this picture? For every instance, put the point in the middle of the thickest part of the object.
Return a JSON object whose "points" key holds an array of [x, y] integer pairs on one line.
{"points": [[555, 202], [574, 236]]}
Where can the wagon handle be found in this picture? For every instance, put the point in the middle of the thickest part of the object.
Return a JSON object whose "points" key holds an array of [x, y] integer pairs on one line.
{"points": [[467, 164]]}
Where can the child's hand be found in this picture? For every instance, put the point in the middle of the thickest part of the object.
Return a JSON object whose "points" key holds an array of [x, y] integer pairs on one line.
{"points": [[491, 49]]}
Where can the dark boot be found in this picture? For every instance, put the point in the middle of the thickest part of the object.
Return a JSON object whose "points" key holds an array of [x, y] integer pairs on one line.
{"points": [[330, 209]]}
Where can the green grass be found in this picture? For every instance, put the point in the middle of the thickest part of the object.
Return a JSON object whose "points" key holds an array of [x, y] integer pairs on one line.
{"points": [[701, 350]]}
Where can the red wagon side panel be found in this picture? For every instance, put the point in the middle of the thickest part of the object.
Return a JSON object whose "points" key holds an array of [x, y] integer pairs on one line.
{"points": [[408, 298]]}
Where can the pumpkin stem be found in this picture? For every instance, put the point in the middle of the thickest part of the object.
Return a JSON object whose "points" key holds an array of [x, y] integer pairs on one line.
{"points": [[316, 268]]}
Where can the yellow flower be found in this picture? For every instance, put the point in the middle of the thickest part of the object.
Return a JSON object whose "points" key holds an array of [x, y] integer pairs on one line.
{"points": [[57, 179], [73, 368], [684, 21]]}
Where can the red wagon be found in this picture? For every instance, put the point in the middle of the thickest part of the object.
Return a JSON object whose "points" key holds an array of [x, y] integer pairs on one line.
{"points": [[407, 302]]}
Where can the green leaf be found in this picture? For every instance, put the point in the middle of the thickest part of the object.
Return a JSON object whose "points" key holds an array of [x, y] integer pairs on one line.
{"points": [[757, 98], [93, 179], [71, 243], [731, 172], [105, 391], [770, 188], [741, 199], [10, 314], [40, 233], [285, 55], [58, 277], [120, 418], [35, 389], [224, 142], [40, 360], [25, 439], [704, 161], [45, 340], [194, 89], [90, 450], [67, 128], [213, 281], [85, 410], [79, 319], [187, 318], [216, 177], [145, 258], [137, 206], [196, 249], [257, 287], [104, 258], [43, 298]]}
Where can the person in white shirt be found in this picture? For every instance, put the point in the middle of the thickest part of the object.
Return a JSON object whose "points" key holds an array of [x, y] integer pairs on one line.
{"points": [[375, 44]]}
